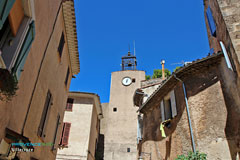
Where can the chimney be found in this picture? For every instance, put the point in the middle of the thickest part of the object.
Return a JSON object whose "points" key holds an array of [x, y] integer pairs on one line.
{"points": [[163, 73]]}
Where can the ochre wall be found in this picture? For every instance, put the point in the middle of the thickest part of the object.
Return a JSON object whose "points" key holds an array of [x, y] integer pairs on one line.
{"points": [[52, 76]]}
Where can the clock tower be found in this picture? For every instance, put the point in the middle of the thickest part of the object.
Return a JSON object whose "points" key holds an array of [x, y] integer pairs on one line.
{"points": [[119, 125]]}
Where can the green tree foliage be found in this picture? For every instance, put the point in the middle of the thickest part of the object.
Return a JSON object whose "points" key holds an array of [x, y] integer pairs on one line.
{"points": [[157, 73], [147, 77], [176, 69], [8, 85], [192, 156]]}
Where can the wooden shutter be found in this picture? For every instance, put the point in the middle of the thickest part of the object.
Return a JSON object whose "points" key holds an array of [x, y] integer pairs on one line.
{"points": [[61, 45], [18, 68], [162, 111], [44, 115], [5, 8], [211, 22], [173, 104], [55, 134], [69, 104], [66, 132], [67, 75]]}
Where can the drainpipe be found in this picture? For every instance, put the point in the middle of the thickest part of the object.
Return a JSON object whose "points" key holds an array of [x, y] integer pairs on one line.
{"points": [[226, 55], [188, 114]]}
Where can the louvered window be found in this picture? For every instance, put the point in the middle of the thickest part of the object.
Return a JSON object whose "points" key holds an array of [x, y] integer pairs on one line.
{"points": [[69, 104], [65, 134]]}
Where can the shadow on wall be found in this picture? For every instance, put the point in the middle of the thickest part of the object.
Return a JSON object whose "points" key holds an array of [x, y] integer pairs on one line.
{"points": [[232, 100], [99, 154]]}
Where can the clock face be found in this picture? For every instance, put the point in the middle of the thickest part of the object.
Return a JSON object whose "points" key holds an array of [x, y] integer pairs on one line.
{"points": [[126, 81]]}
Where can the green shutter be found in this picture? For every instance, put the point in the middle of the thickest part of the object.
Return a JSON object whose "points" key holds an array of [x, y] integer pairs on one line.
{"points": [[5, 7], [22, 56]]}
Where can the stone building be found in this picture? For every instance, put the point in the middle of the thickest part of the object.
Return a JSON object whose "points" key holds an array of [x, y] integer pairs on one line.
{"points": [[38, 45], [81, 127], [223, 28], [187, 112], [119, 125]]}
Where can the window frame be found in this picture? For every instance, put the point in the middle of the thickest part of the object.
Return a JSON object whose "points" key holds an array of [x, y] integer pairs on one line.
{"points": [[67, 77], [55, 133], [61, 45], [64, 132], [69, 105], [211, 21], [45, 116]]}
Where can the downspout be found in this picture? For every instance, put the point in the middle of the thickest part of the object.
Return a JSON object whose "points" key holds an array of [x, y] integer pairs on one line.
{"points": [[188, 114]]}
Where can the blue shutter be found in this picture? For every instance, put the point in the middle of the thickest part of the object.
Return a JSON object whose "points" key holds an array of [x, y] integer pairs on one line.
{"points": [[18, 68], [211, 22], [5, 7]]}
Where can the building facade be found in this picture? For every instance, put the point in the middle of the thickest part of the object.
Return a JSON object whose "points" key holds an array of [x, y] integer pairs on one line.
{"points": [[41, 52], [81, 127], [119, 125], [222, 21], [187, 112]]}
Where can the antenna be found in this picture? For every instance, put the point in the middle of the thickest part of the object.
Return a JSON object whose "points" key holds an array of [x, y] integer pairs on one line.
{"points": [[134, 47], [128, 47]]}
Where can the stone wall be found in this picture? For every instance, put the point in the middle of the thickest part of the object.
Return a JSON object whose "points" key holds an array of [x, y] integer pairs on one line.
{"points": [[120, 127], [226, 14], [208, 116]]}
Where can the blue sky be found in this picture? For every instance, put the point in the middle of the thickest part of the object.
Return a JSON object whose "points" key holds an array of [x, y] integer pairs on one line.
{"points": [[172, 30]]}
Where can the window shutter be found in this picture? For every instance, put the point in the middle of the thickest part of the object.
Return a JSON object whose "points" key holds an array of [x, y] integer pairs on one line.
{"points": [[18, 68], [5, 7], [61, 45], [67, 75], [44, 115], [162, 111], [66, 132], [69, 104], [55, 134], [211, 22], [173, 104]]}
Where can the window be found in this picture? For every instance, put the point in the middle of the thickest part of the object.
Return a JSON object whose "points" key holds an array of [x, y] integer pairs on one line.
{"points": [[128, 149], [69, 104], [61, 45], [167, 109], [5, 8], [211, 22], [133, 80], [14, 49], [65, 134], [45, 115], [115, 109], [66, 79], [168, 106], [55, 134]]}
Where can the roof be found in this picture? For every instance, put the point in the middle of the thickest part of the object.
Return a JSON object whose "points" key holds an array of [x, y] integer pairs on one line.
{"points": [[182, 73], [94, 96], [71, 34]]}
